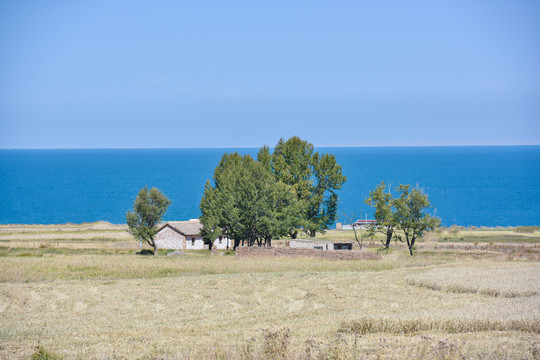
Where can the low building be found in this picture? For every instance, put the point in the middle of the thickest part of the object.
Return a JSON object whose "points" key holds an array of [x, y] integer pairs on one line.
{"points": [[358, 224], [320, 245], [364, 223], [186, 235]]}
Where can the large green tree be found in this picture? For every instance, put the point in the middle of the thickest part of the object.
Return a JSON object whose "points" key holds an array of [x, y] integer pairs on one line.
{"points": [[315, 179], [410, 213], [277, 194], [246, 203], [381, 201], [148, 209]]}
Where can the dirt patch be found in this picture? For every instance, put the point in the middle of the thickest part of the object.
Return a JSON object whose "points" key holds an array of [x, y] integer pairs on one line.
{"points": [[261, 252]]}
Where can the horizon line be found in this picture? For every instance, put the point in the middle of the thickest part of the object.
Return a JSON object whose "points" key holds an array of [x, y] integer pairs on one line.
{"points": [[255, 147]]}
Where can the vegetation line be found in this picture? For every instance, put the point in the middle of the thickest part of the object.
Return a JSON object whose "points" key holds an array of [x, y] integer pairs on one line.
{"points": [[458, 288], [369, 325]]}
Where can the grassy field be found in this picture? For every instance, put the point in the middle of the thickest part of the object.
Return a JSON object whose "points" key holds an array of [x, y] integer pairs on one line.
{"points": [[92, 299]]}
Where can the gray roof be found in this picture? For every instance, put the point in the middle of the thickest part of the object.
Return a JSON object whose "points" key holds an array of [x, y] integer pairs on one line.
{"points": [[192, 227]]}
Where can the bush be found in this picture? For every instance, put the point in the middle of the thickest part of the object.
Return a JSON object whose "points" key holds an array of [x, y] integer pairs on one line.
{"points": [[42, 354], [145, 252], [385, 251], [526, 229]]}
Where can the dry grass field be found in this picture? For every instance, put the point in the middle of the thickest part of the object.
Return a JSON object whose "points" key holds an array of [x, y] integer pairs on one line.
{"points": [[80, 292]]}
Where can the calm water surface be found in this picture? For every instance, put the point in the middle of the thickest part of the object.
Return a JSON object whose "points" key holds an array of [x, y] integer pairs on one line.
{"points": [[490, 186]]}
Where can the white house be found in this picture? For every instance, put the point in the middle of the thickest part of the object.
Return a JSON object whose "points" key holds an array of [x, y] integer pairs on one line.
{"points": [[186, 235]]}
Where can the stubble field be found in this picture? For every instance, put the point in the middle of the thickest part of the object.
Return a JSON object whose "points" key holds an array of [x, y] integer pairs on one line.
{"points": [[100, 301]]}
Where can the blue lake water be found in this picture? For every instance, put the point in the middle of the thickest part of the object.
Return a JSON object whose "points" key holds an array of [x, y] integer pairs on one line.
{"points": [[481, 186]]}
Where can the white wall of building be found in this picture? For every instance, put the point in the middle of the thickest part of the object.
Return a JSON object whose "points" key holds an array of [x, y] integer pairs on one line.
{"points": [[194, 243], [223, 243], [167, 238], [310, 244]]}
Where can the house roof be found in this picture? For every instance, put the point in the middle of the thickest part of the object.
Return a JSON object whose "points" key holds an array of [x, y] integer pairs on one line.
{"points": [[192, 227]]}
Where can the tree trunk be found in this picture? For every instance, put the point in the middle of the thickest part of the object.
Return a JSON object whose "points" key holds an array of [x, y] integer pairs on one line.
{"points": [[152, 243], [236, 243], [294, 234], [210, 244], [360, 244], [312, 233], [389, 234], [411, 246]]}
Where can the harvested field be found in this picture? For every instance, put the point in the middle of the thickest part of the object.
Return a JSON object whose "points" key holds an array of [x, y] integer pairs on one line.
{"points": [[505, 280], [443, 303]]}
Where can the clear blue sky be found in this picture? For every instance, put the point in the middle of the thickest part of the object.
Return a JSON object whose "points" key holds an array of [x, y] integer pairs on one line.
{"points": [[94, 74]]}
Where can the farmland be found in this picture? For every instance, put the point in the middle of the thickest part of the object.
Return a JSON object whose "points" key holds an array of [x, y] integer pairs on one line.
{"points": [[79, 291]]}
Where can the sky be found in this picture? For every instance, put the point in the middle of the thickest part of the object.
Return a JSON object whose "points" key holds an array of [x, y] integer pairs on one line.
{"points": [[178, 74]]}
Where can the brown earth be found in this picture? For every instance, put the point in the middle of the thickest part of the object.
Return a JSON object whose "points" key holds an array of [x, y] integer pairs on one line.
{"points": [[261, 252]]}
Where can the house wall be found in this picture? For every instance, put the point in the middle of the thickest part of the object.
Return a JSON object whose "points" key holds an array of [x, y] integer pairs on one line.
{"points": [[167, 238], [224, 241], [310, 244], [198, 245]]}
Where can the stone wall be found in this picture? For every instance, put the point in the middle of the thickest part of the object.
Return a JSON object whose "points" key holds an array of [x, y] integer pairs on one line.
{"points": [[169, 239], [270, 252]]}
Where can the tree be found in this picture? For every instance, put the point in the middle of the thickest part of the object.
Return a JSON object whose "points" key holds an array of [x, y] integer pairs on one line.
{"points": [[148, 209], [210, 231], [255, 201], [246, 202], [384, 213], [314, 179], [410, 215], [353, 226]]}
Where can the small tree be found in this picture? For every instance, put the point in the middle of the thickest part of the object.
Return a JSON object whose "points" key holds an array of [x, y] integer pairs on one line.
{"points": [[410, 215], [353, 226], [150, 206], [384, 214]]}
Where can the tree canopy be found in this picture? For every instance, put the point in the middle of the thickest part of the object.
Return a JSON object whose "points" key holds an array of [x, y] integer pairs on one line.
{"points": [[410, 213], [148, 209], [382, 202], [314, 178], [279, 194], [246, 203]]}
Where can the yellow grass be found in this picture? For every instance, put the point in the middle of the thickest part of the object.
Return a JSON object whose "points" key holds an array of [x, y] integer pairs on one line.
{"points": [[93, 306], [506, 279]]}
